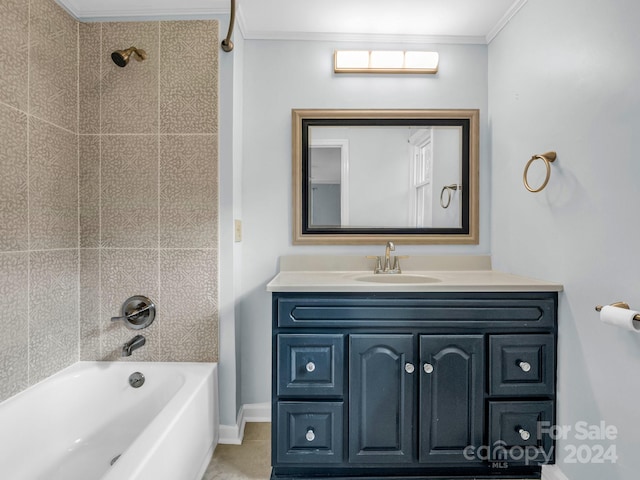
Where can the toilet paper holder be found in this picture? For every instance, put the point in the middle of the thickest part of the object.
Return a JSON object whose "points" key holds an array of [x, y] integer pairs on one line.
{"points": [[619, 305]]}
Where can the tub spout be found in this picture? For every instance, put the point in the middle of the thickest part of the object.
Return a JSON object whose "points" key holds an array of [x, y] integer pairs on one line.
{"points": [[133, 344]]}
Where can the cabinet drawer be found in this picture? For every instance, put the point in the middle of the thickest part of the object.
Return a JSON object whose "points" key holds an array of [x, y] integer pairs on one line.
{"points": [[442, 311], [522, 365], [310, 365], [310, 432], [520, 428]]}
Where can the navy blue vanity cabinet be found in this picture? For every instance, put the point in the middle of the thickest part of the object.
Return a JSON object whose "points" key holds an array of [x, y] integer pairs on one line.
{"points": [[369, 386]]}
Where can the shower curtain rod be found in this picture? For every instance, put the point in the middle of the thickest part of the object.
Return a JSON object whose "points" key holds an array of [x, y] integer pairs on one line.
{"points": [[227, 44]]}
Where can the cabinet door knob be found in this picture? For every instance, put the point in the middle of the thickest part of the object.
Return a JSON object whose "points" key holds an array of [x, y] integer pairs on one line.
{"points": [[310, 435], [524, 435], [524, 366], [428, 368], [409, 368], [310, 367]]}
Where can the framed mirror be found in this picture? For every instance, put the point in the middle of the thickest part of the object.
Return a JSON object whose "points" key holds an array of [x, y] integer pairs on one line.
{"points": [[370, 176]]}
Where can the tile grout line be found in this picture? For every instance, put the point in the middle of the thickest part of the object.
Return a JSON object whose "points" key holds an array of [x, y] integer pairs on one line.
{"points": [[65, 249], [79, 355], [158, 186], [126, 134], [100, 313], [28, 194]]}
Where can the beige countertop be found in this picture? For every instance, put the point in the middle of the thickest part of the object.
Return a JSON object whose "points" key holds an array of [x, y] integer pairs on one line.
{"points": [[420, 274]]}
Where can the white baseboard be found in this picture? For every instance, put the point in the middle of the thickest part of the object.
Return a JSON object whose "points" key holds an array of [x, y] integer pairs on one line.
{"points": [[250, 412], [553, 472]]}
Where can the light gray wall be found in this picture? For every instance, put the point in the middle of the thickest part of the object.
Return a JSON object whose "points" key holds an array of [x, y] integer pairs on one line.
{"points": [[282, 75], [230, 162], [564, 76], [378, 177]]}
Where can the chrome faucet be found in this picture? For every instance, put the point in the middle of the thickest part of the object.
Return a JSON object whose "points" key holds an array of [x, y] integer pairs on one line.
{"points": [[133, 344], [387, 255], [386, 267]]}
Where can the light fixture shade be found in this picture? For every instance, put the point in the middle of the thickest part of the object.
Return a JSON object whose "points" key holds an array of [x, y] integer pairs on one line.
{"points": [[384, 61]]}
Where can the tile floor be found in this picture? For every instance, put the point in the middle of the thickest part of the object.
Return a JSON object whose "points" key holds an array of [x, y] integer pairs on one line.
{"points": [[249, 461]]}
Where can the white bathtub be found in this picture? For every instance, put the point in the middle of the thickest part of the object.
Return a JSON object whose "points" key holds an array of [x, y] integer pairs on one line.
{"points": [[72, 425]]}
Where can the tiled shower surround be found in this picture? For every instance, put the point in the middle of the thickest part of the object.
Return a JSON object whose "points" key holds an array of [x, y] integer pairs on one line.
{"points": [[108, 189]]}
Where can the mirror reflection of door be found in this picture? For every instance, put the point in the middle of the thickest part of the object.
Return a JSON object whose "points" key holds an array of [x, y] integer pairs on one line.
{"points": [[421, 184], [328, 192]]}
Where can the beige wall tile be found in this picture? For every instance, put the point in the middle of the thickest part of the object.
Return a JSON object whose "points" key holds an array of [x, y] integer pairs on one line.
{"points": [[90, 50], [125, 273], [53, 315], [90, 320], [53, 65], [188, 191], [53, 186], [89, 165], [129, 191], [14, 233], [14, 323], [188, 76], [189, 295], [14, 45], [124, 178], [130, 94]]}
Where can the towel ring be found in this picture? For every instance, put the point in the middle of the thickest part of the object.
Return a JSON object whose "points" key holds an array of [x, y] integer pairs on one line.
{"points": [[547, 158], [448, 189]]}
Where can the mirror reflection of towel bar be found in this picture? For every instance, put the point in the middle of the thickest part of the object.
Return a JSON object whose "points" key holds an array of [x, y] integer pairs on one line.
{"points": [[448, 189]]}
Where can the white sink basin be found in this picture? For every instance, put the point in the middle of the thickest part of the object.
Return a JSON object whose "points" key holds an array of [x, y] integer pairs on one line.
{"points": [[397, 278]]}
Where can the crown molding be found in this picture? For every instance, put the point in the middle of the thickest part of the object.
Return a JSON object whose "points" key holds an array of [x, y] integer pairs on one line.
{"points": [[241, 21], [132, 13], [506, 18], [362, 37], [215, 8]]}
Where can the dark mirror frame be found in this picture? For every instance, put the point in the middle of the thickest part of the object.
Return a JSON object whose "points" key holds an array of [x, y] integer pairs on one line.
{"points": [[304, 234]]}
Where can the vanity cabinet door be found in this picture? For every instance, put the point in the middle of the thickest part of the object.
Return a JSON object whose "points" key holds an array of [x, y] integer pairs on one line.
{"points": [[451, 397], [382, 374]]}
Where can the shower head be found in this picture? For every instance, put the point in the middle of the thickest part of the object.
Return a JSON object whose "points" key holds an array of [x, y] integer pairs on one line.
{"points": [[121, 57]]}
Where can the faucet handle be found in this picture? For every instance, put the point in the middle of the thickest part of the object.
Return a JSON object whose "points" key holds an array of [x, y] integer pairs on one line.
{"points": [[137, 312], [396, 262], [378, 260]]}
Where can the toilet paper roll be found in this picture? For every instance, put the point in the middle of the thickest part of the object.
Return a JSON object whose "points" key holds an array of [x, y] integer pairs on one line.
{"points": [[620, 317]]}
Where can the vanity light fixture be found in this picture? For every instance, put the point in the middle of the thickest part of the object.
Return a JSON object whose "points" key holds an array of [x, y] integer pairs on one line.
{"points": [[384, 61]]}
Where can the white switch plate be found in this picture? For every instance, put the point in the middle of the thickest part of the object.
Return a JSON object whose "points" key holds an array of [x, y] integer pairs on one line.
{"points": [[237, 230]]}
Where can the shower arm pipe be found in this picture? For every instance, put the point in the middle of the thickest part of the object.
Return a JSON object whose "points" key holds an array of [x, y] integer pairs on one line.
{"points": [[227, 44]]}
